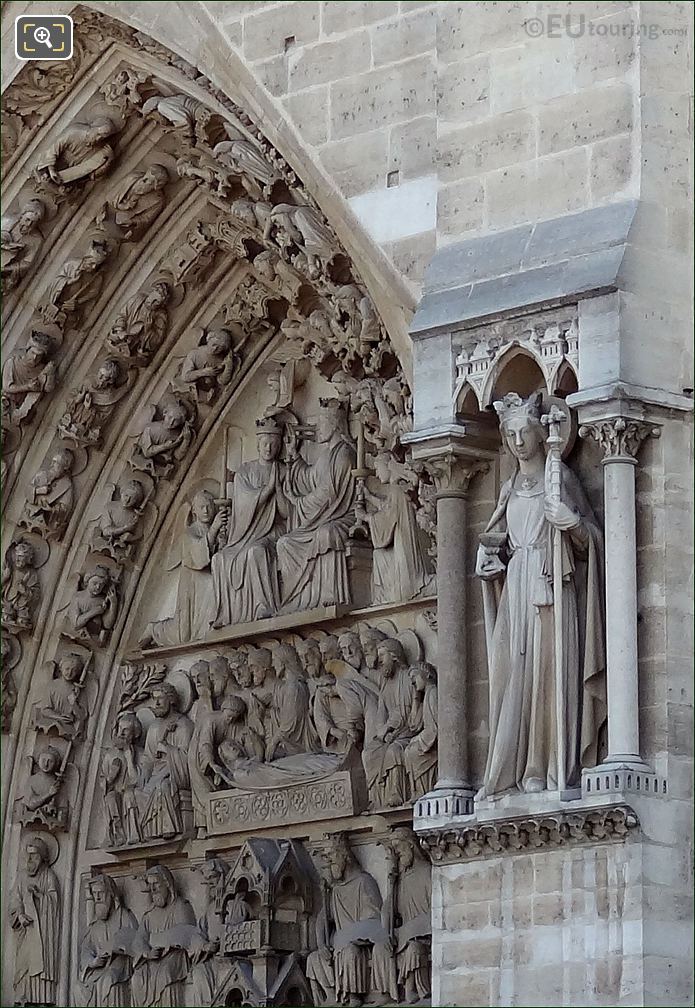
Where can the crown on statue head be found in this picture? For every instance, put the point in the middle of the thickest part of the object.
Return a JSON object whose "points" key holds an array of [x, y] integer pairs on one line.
{"points": [[268, 425], [512, 405]]}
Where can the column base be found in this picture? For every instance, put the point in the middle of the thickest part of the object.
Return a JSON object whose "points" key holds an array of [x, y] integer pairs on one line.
{"points": [[623, 775], [444, 802]]}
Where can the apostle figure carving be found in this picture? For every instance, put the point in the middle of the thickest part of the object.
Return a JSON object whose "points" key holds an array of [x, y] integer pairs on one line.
{"points": [[311, 557], [167, 791], [166, 440], [205, 969], [77, 284], [291, 729], [409, 912], [353, 958], [79, 154], [517, 550], [204, 532], [64, 710], [27, 375], [179, 112], [21, 241], [241, 157], [94, 609], [398, 562], [88, 409], [166, 932], [117, 531], [420, 753], [384, 753], [51, 498], [35, 918], [140, 200], [244, 571], [141, 326], [39, 804], [10, 654], [208, 368], [21, 590], [105, 964], [121, 775]]}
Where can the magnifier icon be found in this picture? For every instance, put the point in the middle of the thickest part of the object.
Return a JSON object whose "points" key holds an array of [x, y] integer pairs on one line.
{"points": [[43, 36]]}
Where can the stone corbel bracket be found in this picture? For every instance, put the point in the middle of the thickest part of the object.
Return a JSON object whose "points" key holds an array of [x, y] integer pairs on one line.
{"points": [[527, 834]]}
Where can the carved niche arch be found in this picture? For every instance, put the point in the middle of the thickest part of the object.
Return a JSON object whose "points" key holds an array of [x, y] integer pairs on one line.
{"points": [[153, 233]]}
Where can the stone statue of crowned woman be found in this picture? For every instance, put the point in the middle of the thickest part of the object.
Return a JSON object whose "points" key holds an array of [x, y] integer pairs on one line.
{"points": [[542, 549]]}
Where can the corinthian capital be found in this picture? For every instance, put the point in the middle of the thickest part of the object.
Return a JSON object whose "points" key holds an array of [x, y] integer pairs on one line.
{"points": [[619, 437], [452, 473]]}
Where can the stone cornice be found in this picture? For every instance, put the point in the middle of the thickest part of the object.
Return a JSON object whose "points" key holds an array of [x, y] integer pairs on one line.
{"points": [[470, 842]]}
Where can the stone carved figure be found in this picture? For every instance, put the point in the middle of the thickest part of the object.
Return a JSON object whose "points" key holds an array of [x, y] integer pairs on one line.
{"points": [[64, 711], [10, 654], [21, 589], [77, 284], [311, 557], [180, 112], [167, 790], [21, 241], [409, 912], [117, 532], [301, 227], [28, 374], [353, 957], [40, 803], [140, 200], [523, 729], [105, 963], [35, 918], [89, 408], [166, 439], [292, 731], [244, 572], [80, 154], [387, 777], [51, 497], [195, 548], [167, 931], [93, 611], [241, 157], [205, 968], [324, 711], [209, 368], [399, 571], [420, 753], [140, 328], [122, 775]]}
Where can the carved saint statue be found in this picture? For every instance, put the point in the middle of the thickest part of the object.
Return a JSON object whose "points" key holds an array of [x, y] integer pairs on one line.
{"points": [[27, 375], [21, 590], [353, 957], [105, 964], [202, 536], [311, 557], [94, 609], [77, 284], [409, 907], [387, 777], [117, 531], [291, 729], [44, 784], [141, 326], [523, 729], [122, 775], [205, 970], [49, 507], [166, 932], [21, 241], [244, 571], [35, 918], [79, 154], [165, 440], [166, 755], [63, 710], [140, 200], [88, 409], [179, 112], [398, 562], [421, 751], [208, 368]]}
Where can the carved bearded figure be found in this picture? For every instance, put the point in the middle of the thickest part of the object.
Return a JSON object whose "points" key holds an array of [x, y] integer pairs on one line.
{"points": [[291, 729], [79, 154], [21, 590], [21, 241], [311, 557], [141, 326], [166, 756], [105, 966], [410, 903], [140, 200], [122, 774], [523, 729], [35, 917], [49, 507], [420, 755], [63, 710], [27, 375], [384, 753]]}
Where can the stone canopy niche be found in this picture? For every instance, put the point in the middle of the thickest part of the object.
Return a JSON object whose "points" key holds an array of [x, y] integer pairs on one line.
{"points": [[219, 697]]}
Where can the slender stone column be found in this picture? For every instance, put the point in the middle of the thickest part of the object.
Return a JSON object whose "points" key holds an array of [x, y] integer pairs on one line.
{"points": [[620, 439]]}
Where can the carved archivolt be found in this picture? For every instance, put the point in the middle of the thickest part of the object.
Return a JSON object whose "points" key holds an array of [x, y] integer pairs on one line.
{"points": [[161, 261]]}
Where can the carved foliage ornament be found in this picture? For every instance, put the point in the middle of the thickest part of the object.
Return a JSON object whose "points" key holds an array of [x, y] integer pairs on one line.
{"points": [[619, 438]]}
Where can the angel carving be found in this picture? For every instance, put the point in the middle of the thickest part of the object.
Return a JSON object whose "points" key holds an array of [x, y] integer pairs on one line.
{"points": [[180, 112], [166, 439], [21, 588], [40, 805], [243, 158], [93, 612], [64, 711], [210, 366], [118, 530]]}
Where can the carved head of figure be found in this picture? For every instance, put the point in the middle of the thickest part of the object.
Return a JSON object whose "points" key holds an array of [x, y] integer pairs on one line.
{"points": [[105, 896], [37, 854], [421, 675], [155, 178], [310, 653], [219, 342], [213, 873], [391, 657], [98, 580], [371, 639], [132, 494], [332, 419], [23, 553], [161, 886], [101, 128], [96, 255], [330, 649], [70, 667], [200, 674], [268, 439], [286, 661], [260, 662], [220, 675], [520, 424], [405, 847], [61, 463], [174, 416], [392, 392], [351, 649], [158, 295], [203, 507], [108, 376], [339, 857], [40, 347], [49, 760], [234, 710], [32, 214], [126, 731], [165, 699]]}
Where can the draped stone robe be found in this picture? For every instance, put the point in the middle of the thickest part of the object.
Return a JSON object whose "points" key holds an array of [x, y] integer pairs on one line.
{"points": [[311, 558], [166, 750], [160, 983], [109, 985], [36, 962], [193, 604], [398, 564]]}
